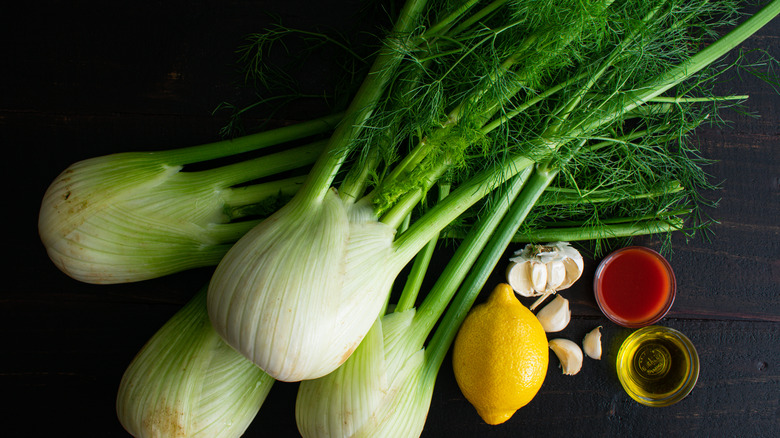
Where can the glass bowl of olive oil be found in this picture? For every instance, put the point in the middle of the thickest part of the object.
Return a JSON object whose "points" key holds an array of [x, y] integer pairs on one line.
{"points": [[657, 366]]}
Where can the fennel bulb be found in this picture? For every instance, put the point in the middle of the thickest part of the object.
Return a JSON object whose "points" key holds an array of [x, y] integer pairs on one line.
{"points": [[299, 291], [381, 391], [133, 216], [186, 382]]}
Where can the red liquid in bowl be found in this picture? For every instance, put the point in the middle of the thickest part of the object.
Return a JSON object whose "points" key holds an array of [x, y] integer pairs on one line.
{"points": [[634, 286]]}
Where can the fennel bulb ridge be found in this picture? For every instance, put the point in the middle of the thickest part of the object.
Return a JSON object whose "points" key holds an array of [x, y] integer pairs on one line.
{"points": [[298, 293]]}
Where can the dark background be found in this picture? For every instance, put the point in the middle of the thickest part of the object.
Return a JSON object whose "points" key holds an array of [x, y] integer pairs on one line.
{"points": [[87, 78]]}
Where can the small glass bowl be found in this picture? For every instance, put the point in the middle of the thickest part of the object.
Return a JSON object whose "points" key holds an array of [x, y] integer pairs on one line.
{"points": [[648, 319], [657, 366]]}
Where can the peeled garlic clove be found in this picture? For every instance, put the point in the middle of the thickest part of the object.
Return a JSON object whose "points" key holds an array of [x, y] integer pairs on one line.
{"points": [[569, 354], [556, 315], [592, 343]]}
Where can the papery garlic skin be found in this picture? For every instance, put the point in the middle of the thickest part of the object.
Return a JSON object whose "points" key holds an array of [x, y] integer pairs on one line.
{"points": [[298, 293], [569, 354], [591, 344], [378, 392], [556, 315]]}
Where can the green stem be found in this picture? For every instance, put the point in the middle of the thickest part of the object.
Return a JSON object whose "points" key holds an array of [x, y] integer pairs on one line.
{"points": [[431, 309], [598, 232], [573, 196], [236, 198], [225, 234], [444, 24], [261, 167], [479, 15], [251, 142], [660, 215], [680, 99], [488, 259], [422, 260], [414, 281], [356, 180], [362, 106]]}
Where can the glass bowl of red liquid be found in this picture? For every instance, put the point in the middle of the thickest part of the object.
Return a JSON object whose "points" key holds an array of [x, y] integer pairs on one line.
{"points": [[634, 286]]}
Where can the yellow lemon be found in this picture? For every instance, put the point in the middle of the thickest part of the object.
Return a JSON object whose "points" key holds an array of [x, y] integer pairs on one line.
{"points": [[500, 356]]}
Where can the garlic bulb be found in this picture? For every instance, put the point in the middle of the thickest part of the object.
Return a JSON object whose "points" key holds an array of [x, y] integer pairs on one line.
{"points": [[592, 343], [541, 270], [569, 354], [556, 315]]}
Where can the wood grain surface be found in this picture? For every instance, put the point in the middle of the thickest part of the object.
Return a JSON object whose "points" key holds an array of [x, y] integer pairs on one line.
{"points": [[87, 78]]}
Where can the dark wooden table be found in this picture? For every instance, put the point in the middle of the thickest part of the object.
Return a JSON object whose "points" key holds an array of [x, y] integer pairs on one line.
{"points": [[88, 78]]}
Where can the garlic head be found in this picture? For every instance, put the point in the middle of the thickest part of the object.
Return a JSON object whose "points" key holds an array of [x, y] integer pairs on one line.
{"points": [[556, 315], [569, 354], [591, 344], [542, 270]]}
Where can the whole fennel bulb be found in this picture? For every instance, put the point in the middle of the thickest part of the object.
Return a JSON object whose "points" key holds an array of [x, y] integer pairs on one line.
{"points": [[134, 216], [186, 382], [297, 294]]}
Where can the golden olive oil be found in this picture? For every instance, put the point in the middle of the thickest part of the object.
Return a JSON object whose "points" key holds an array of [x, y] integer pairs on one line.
{"points": [[657, 366]]}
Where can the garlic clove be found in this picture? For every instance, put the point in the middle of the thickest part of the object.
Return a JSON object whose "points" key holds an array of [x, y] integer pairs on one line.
{"points": [[539, 276], [556, 315], [556, 274], [569, 354], [573, 262], [527, 278], [518, 275], [591, 344]]}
